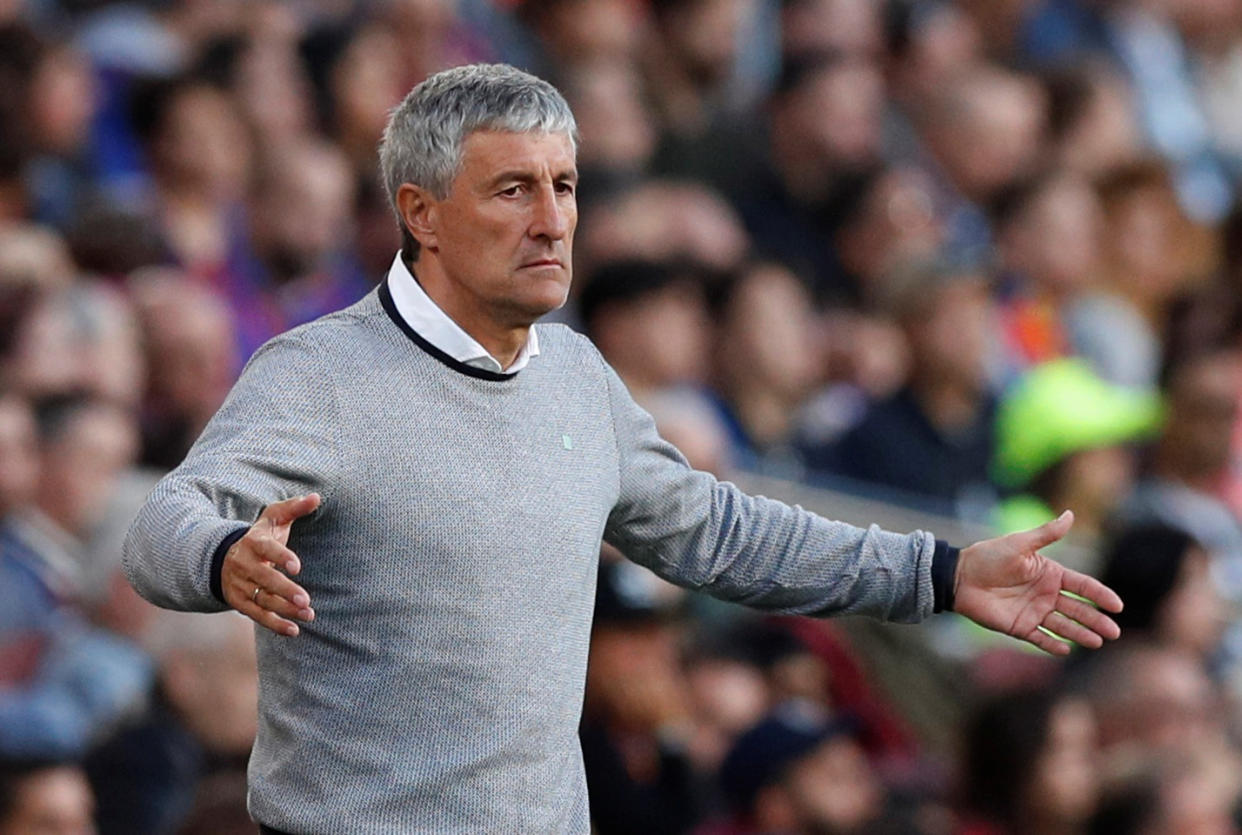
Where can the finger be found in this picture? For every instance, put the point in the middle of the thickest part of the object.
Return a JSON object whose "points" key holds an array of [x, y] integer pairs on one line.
{"points": [[1048, 643], [1049, 532], [1092, 589], [272, 550], [282, 606], [277, 585], [1090, 617], [268, 619], [285, 512], [1071, 630]]}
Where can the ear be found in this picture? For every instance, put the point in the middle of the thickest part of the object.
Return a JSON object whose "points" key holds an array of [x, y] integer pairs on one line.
{"points": [[420, 213]]}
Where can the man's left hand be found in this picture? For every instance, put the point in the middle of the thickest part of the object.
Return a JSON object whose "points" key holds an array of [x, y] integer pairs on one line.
{"points": [[1007, 585]]}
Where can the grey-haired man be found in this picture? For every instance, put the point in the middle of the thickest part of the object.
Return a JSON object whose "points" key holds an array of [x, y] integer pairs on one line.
{"points": [[451, 470]]}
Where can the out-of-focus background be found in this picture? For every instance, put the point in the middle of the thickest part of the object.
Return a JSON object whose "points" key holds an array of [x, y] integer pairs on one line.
{"points": [[946, 265]]}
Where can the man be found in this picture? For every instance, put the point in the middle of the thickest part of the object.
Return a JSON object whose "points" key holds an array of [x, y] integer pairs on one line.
{"points": [[452, 470]]}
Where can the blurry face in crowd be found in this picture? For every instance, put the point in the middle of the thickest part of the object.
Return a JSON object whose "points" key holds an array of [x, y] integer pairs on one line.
{"points": [[590, 31], [704, 34], [1106, 134], [835, 115], [1057, 241], [1193, 615], [951, 342], [57, 801], [660, 339], [366, 85], [1143, 227], [1095, 480], [503, 236], [615, 127], [303, 212], [770, 339], [81, 465], [987, 132], [202, 145], [1203, 411], [1065, 784], [835, 788], [62, 101], [19, 459], [897, 223]]}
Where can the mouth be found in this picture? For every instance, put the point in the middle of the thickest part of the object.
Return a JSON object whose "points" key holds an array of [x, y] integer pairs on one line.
{"points": [[542, 262]]}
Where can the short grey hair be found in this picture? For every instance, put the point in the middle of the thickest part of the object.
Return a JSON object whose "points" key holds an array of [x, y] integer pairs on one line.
{"points": [[423, 139]]}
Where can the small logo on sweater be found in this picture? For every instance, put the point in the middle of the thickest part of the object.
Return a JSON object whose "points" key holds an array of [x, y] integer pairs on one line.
{"points": [[567, 442]]}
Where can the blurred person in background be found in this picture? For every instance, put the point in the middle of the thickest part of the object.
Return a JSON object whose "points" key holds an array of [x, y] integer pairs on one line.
{"points": [[617, 130], [801, 771], [884, 216], [637, 723], [765, 360], [45, 797], [197, 154], [935, 437], [1148, 242], [297, 264], [190, 342], [982, 132], [824, 125], [1057, 301], [1092, 125], [1171, 597], [1062, 438], [1030, 765], [1160, 715], [199, 723], [650, 321], [63, 683]]}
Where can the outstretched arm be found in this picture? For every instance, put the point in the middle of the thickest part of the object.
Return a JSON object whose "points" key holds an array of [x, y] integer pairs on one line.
{"points": [[1007, 585]]}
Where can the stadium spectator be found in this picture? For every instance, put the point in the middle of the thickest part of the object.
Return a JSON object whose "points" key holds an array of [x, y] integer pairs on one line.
{"points": [[935, 437], [1030, 765], [650, 322], [1061, 441], [44, 797]]}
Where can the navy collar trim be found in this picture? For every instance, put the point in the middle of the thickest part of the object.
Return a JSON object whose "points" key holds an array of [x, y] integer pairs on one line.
{"points": [[390, 308]]}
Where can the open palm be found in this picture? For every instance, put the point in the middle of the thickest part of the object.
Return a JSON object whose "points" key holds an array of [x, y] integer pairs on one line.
{"points": [[1007, 585]]}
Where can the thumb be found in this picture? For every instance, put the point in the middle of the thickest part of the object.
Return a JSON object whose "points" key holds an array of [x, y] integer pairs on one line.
{"points": [[285, 512], [1049, 532]]}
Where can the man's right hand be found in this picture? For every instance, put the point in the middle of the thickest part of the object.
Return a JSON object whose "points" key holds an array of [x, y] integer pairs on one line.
{"points": [[252, 578]]}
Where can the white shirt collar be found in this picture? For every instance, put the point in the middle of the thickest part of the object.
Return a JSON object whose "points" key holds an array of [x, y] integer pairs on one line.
{"points": [[433, 324]]}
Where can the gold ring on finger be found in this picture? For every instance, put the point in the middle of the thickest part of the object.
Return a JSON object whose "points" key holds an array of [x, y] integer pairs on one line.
{"points": [[254, 598]]}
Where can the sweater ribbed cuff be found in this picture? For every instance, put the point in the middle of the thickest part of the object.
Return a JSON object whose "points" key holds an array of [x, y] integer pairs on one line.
{"points": [[944, 576], [217, 562]]}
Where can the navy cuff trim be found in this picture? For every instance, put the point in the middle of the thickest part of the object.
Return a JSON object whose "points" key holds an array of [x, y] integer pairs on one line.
{"points": [[390, 307], [944, 576], [217, 563]]}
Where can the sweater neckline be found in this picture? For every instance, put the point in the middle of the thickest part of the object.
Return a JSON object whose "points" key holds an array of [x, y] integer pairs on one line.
{"points": [[385, 297]]}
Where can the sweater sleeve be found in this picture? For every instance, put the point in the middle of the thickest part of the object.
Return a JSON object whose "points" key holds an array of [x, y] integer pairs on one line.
{"points": [[273, 438], [708, 535]]}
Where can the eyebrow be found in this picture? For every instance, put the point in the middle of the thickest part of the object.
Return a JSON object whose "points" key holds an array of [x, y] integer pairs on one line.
{"points": [[522, 176]]}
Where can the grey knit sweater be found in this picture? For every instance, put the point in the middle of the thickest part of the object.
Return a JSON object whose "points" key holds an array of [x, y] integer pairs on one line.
{"points": [[452, 567]]}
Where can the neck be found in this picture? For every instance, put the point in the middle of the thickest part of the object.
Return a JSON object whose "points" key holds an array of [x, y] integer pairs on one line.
{"points": [[504, 340]]}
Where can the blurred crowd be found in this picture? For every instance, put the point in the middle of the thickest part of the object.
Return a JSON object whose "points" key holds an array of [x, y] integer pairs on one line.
{"points": [[982, 258]]}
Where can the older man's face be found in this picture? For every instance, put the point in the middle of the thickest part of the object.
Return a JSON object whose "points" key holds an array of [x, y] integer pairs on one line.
{"points": [[504, 234]]}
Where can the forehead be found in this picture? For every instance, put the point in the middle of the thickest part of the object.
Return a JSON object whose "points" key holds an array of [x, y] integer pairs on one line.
{"points": [[488, 153]]}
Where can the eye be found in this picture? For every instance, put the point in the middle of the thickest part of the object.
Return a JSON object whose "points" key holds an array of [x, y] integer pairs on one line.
{"points": [[565, 188], [512, 191]]}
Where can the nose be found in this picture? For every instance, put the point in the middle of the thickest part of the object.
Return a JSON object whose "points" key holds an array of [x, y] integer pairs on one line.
{"points": [[550, 216]]}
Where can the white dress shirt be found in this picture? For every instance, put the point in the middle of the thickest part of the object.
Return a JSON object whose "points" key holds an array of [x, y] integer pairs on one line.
{"points": [[433, 324]]}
